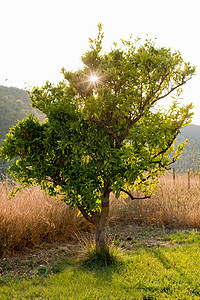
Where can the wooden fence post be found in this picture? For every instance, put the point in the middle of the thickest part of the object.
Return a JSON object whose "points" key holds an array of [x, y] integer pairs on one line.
{"points": [[174, 176]]}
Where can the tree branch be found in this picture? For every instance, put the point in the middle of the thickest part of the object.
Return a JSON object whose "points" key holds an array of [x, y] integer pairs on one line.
{"points": [[172, 89], [152, 94], [164, 150], [93, 219], [135, 198], [84, 213], [171, 141], [103, 125]]}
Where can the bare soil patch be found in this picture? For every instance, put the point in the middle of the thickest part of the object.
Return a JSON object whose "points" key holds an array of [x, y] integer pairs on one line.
{"points": [[48, 256]]}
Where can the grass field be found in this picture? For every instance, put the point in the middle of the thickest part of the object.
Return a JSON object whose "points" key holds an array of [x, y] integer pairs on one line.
{"points": [[32, 218], [42, 246], [169, 271]]}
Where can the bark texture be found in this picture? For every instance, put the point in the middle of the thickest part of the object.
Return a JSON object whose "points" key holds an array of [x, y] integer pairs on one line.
{"points": [[102, 225]]}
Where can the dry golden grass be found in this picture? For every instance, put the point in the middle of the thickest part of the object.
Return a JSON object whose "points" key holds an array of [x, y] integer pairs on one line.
{"points": [[175, 204], [32, 217]]}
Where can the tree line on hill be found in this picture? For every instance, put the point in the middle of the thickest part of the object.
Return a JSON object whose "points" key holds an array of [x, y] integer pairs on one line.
{"points": [[190, 157], [15, 105]]}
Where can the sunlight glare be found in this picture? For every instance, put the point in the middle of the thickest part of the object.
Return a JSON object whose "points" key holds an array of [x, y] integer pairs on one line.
{"points": [[93, 78]]}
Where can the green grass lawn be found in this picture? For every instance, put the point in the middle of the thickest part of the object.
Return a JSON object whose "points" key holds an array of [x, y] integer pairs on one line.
{"points": [[145, 272]]}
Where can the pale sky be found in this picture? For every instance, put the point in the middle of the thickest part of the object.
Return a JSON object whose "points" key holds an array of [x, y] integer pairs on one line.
{"points": [[40, 37]]}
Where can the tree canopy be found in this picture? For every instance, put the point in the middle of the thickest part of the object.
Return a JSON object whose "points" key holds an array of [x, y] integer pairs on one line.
{"points": [[101, 133]]}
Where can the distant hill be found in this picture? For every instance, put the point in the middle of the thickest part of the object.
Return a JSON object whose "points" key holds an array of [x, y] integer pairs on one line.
{"points": [[192, 132], [14, 106], [190, 158]]}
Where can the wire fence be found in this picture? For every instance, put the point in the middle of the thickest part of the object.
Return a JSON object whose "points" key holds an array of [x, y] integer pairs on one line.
{"points": [[187, 177]]}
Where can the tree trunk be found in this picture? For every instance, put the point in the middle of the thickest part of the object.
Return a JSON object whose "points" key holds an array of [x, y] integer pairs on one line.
{"points": [[102, 225]]}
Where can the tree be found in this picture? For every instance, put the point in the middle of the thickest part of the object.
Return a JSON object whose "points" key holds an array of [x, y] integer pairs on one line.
{"points": [[101, 133]]}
